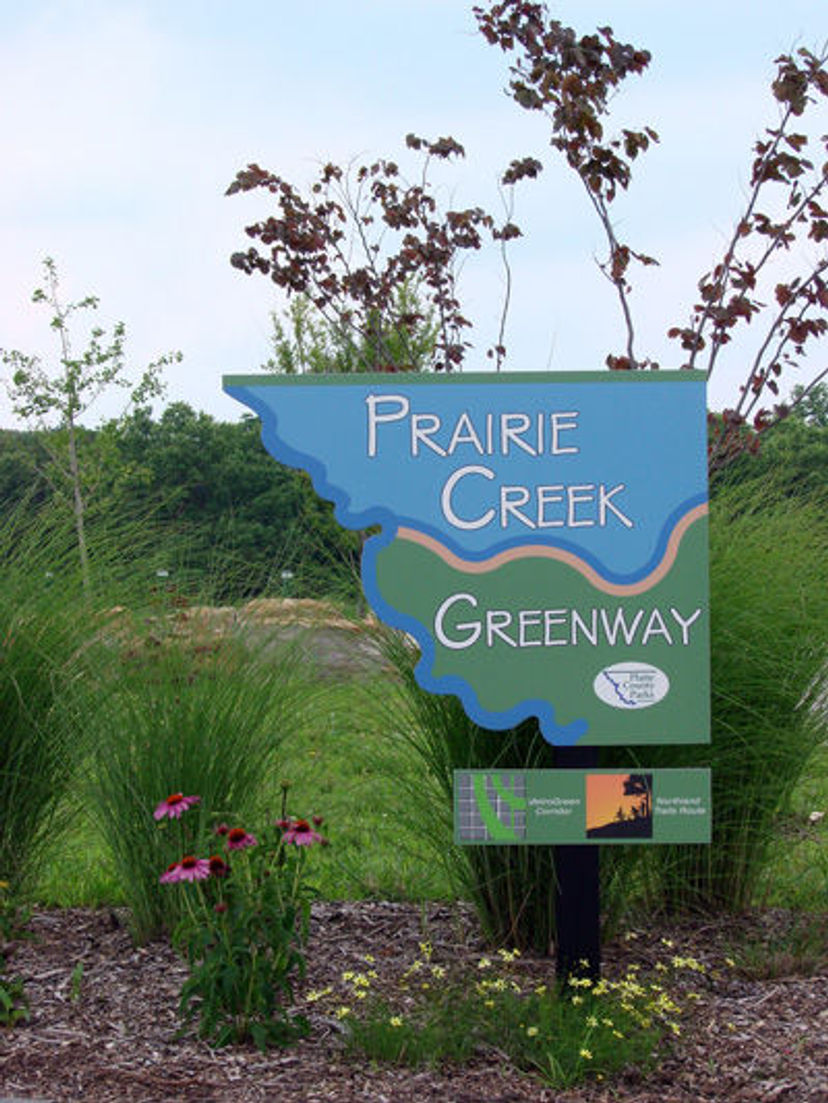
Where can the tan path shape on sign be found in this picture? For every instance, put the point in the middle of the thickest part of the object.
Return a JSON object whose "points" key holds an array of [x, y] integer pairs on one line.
{"points": [[541, 551]]}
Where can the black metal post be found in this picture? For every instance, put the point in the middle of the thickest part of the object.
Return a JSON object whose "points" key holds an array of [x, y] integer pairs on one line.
{"points": [[577, 903]]}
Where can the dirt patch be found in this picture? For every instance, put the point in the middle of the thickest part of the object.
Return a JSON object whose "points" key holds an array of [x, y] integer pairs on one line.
{"points": [[333, 643]]}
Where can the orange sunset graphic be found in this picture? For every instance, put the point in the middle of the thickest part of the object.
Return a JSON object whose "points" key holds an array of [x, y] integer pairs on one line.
{"points": [[619, 806]]}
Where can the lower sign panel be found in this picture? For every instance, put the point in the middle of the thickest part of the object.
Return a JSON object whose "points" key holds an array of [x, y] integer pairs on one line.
{"points": [[524, 807]]}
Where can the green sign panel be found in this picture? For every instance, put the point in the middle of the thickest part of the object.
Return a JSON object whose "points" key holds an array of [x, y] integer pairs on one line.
{"points": [[542, 537], [502, 807]]}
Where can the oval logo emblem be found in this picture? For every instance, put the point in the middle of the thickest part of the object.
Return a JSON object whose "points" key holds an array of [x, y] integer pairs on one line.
{"points": [[631, 685]]}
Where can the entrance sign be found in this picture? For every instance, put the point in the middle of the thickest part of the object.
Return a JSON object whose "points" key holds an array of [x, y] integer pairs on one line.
{"points": [[502, 807], [542, 537]]}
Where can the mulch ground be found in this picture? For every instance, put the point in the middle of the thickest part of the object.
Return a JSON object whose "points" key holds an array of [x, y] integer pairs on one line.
{"points": [[103, 1021]]}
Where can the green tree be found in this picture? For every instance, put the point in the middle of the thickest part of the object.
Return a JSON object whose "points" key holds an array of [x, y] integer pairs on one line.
{"points": [[304, 341], [22, 461], [227, 516], [61, 396], [811, 405], [792, 457]]}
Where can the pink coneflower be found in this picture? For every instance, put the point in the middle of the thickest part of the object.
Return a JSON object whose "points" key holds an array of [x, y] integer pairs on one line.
{"points": [[174, 806], [189, 868], [222, 829], [238, 839], [301, 833], [218, 866]]}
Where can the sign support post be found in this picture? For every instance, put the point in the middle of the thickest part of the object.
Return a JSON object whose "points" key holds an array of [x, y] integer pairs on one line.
{"points": [[577, 893]]}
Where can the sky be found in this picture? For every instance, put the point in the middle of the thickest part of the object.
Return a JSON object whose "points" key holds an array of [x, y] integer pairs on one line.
{"points": [[122, 122]]}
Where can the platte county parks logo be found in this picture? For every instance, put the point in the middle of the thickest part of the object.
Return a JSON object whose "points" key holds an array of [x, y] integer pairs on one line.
{"points": [[631, 685]]}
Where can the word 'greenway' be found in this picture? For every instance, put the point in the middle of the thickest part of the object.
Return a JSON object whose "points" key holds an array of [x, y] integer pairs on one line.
{"points": [[558, 627]]}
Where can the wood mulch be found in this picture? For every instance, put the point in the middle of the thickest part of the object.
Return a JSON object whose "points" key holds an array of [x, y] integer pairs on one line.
{"points": [[103, 1021]]}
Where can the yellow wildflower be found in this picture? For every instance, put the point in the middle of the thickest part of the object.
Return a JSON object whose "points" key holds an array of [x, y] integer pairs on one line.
{"points": [[313, 995], [688, 963]]}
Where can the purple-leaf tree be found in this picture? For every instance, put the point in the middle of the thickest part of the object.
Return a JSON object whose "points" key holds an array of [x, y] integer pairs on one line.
{"points": [[364, 234], [570, 79]]}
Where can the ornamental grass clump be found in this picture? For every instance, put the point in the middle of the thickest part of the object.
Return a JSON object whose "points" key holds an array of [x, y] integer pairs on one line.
{"points": [[769, 667], [245, 905], [512, 887], [46, 629], [433, 1012], [185, 720]]}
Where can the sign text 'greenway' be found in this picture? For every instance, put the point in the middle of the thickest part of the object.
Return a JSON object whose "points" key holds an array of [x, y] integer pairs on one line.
{"points": [[542, 537]]}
